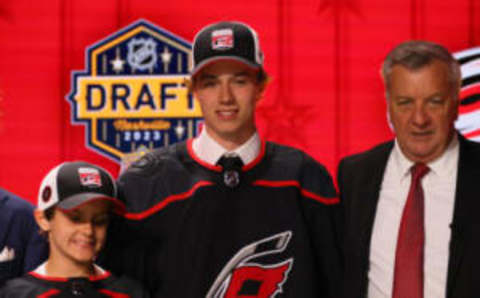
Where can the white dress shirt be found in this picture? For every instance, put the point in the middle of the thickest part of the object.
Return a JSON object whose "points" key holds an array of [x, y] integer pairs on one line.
{"points": [[208, 150], [439, 193]]}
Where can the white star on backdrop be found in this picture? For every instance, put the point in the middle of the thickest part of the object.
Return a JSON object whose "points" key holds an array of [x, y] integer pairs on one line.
{"points": [[166, 58], [179, 130], [117, 64]]}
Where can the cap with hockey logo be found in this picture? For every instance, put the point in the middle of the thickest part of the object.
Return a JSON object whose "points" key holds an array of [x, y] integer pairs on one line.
{"points": [[72, 184], [226, 41]]}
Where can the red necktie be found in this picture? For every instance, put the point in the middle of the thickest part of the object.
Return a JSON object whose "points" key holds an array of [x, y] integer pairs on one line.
{"points": [[408, 278]]}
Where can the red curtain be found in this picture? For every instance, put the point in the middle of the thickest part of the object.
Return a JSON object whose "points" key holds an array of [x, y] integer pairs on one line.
{"points": [[324, 56]]}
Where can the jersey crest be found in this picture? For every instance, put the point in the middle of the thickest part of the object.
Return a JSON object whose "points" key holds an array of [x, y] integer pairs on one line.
{"points": [[133, 91], [242, 276], [468, 122]]}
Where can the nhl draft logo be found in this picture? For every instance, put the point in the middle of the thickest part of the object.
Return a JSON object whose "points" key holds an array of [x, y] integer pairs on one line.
{"points": [[242, 276], [133, 94], [468, 122]]}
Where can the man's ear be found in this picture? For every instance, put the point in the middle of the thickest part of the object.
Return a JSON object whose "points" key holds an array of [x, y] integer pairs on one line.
{"points": [[261, 90], [41, 220]]}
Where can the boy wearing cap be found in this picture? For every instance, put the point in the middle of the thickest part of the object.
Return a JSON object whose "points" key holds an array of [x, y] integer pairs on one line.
{"points": [[74, 205], [227, 214]]}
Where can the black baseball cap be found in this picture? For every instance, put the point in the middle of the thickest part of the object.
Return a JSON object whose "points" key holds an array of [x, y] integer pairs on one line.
{"points": [[72, 184], [226, 41]]}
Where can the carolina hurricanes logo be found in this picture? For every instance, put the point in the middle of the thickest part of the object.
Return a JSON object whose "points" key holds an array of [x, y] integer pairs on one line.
{"points": [[243, 278], [468, 122], [90, 177], [222, 39]]}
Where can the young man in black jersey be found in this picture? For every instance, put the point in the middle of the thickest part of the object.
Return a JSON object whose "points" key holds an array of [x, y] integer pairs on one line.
{"points": [[228, 214]]}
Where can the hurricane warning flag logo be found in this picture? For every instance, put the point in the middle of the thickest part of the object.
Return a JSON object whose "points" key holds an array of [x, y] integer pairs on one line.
{"points": [[246, 276], [468, 122], [133, 93]]}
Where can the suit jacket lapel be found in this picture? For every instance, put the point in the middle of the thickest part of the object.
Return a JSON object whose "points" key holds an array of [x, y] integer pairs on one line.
{"points": [[465, 194]]}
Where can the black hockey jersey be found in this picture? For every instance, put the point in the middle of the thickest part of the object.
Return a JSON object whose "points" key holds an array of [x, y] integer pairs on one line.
{"points": [[34, 285], [187, 234]]}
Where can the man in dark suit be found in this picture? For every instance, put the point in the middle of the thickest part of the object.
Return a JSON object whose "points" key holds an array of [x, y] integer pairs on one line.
{"points": [[412, 224], [21, 246]]}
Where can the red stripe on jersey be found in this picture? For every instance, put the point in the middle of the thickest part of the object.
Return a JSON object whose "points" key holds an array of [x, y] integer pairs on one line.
{"points": [[113, 294], [99, 277], [257, 160], [304, 192], [49, 293], [166, 201], [327, 201]]}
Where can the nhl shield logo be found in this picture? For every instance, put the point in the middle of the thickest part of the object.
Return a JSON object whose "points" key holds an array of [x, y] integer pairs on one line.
{"points": [[231, 178], [142, 53], [133, 92]]}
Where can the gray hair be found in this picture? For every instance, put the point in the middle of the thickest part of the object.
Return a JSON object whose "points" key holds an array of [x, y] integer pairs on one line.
{"points": [[417, 54]]}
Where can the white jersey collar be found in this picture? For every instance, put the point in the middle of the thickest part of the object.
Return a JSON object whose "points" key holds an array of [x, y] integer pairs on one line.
{"points": [[208, 150], [42, 270]]}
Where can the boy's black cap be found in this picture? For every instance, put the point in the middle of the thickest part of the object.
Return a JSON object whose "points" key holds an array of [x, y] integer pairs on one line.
{"points": [[72, 184], [226, 41]]}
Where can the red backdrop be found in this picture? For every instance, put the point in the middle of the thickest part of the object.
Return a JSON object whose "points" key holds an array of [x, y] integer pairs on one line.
{"points": [[326, 96]]}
